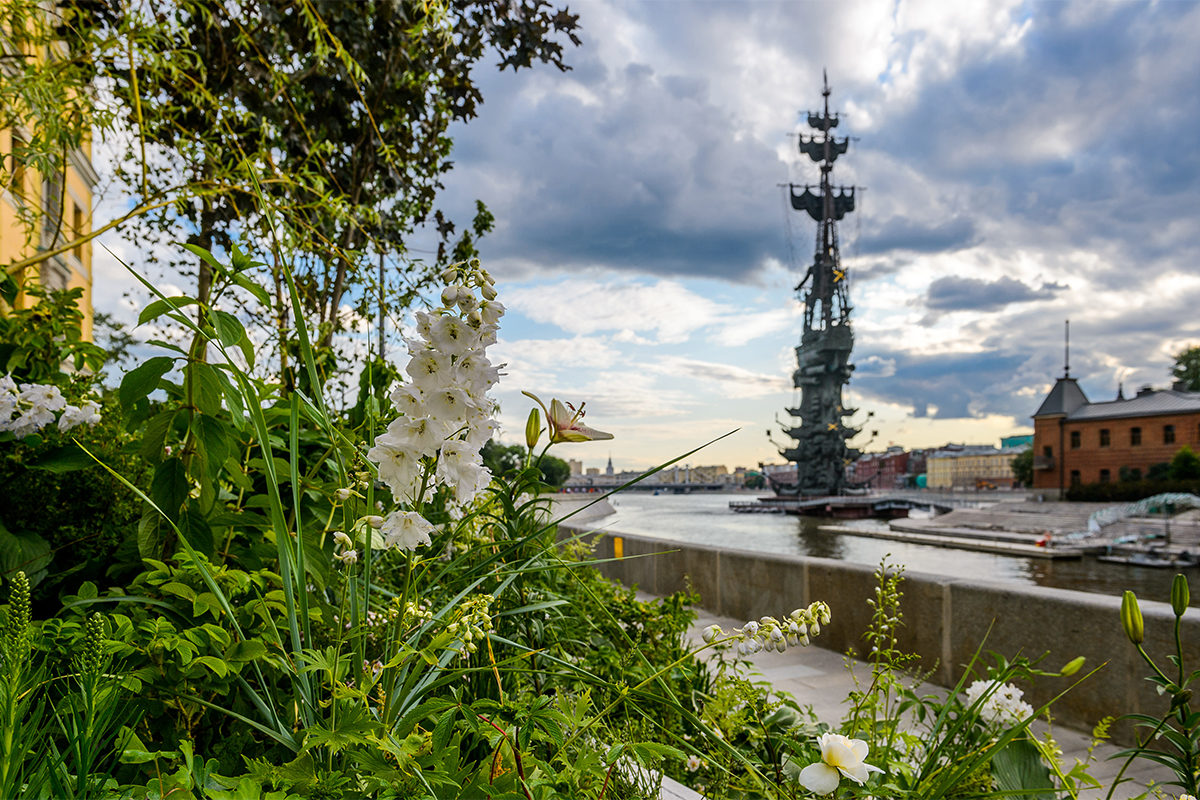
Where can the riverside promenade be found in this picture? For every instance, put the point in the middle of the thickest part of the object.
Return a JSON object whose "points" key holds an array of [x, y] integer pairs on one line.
{"points": [[823, 679]]}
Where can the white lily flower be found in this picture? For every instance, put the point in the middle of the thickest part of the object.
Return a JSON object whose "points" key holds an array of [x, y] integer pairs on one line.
{"points": [[840, 756]]}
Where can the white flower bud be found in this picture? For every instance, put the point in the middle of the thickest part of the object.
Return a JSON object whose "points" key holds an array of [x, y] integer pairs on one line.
{"points": [[450, 275], [374, 520], [488, 291], [449, 296], [343, 494], [750, 628], [340, 538], [710, 633]]}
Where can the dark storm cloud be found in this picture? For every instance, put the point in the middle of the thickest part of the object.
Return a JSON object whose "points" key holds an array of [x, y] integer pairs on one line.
{"points": [[654, 177], [904, 234], [972, 294], [957, 384]]}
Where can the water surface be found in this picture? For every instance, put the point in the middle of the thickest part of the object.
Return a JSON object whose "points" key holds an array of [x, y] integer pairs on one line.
{"points": [[705, 518]]}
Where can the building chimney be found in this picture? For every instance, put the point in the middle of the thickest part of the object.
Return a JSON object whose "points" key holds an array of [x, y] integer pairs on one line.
{"points": [[1147, 389]]}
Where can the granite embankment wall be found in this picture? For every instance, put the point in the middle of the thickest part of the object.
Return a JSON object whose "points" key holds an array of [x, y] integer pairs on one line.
{"points": [[946, 618]]}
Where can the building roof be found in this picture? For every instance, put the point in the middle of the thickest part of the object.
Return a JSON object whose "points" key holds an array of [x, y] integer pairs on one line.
{"points": [[1145, 404], [1064, 398]]}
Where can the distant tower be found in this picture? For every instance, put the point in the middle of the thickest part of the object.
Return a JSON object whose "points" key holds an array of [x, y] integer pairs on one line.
{"points": [[823, 357], [609, 469]]}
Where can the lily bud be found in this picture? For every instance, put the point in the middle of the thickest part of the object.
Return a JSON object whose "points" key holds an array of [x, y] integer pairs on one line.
{"points": [[1072, 666], [533, 428], [1180, 596], [1131, 618]]}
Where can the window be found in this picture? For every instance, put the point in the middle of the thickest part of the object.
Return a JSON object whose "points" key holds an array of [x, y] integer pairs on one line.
{"points": [[1168, 434], [1135, 436], [1048, 451], [1075, 479], [1075, 440], [1105, 476], [1105, 439], [77, 230]]}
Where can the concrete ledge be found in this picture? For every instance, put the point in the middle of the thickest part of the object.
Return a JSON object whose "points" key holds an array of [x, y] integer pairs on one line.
{"points": [[946, 619]]}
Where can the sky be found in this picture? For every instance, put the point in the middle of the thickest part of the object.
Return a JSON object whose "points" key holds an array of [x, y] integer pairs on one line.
{"points": [[1020, 164]]}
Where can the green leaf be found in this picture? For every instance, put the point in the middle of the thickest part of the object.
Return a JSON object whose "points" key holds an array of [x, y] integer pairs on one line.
{"points": [[259, 292], [155, 435], [219, 667], [247, 650], [229, 328], [159, 307], [1019, 769], [24, 551], [68, 458], [443, 729], [143, 379], [206, 388], [179, 590], [216, 441], [169, 489], [149, 539]]}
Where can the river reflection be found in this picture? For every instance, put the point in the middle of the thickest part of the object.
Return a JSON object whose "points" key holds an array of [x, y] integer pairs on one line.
{"points": [[706, 519]]}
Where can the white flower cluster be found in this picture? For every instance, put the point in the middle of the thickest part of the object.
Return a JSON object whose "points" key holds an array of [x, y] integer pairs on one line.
{"points": [[474, 623], [28, 407], [1003, 703], [445, 414], [769, 633]]}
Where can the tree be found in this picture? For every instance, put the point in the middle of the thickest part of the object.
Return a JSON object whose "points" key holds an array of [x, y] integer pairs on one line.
{"points": [[1187, 368], [1022, 467], [1185, 466], [318, 127], [555, 471]]}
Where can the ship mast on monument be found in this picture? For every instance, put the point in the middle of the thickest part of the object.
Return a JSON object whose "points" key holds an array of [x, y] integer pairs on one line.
{"points": [[823, 363]]}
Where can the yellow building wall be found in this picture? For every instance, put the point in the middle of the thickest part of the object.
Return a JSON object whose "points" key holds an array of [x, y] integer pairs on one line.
{"points": [[64, 215]]}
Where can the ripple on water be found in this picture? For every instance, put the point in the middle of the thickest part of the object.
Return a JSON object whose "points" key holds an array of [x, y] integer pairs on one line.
{"points": [[706, 519]]}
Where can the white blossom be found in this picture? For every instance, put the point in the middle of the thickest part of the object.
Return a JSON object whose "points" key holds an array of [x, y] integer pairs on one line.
{"points": [[406, 530]]}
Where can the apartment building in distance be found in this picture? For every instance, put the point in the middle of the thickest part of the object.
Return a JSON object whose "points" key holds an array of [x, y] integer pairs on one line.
{"points": [[1077, 441], [60, 205], [972, 466]]}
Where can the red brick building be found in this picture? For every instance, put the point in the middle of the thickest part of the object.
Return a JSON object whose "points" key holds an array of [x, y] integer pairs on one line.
{"points": [[887, 470], [1076, 441]]}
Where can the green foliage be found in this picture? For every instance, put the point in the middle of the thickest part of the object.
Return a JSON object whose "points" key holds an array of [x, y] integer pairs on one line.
{"points": [[1187, 368], [1185, 466], [37, 340], [1022, 467], [1172, 736]]}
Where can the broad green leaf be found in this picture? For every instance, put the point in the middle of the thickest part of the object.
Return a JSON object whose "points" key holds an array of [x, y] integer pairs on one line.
{"points": [[229, 328], [159, 307], [143, 379], [68, 458], [247, 650], [219, 667], [24, 551], [206, 388], [169, 489]]}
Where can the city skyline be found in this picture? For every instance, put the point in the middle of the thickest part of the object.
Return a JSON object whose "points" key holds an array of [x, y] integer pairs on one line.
{"points": [[1023, 164]]}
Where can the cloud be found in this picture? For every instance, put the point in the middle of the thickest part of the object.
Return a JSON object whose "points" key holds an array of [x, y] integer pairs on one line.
{"points": [[973, 294], [665, 309], [904, 234], [726, 380]]}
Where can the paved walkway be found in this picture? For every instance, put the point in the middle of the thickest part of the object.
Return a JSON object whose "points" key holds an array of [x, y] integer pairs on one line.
{"points": [[820, 678]]}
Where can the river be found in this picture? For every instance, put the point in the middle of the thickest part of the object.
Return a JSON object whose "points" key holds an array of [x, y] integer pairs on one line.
{"points": [[705, 518]]}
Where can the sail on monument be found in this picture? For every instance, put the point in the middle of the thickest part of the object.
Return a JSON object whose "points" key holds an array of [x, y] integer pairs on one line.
{"points": [[818, 428]]}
